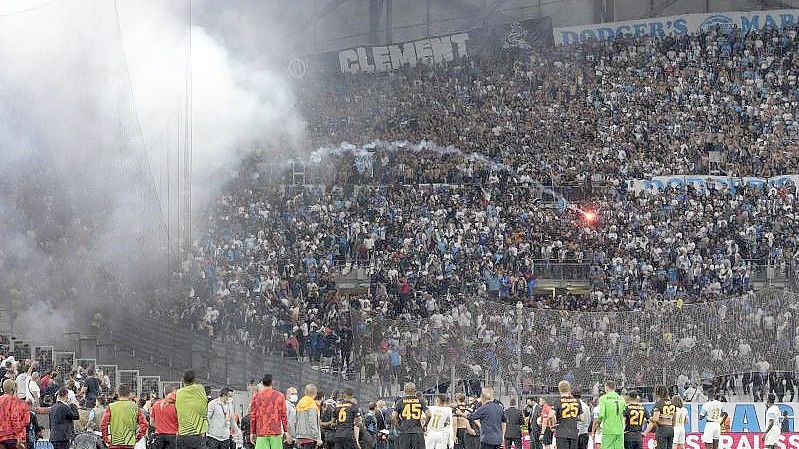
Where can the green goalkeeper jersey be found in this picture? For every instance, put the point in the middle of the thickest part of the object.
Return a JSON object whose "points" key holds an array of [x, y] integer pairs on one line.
{"points": [[611, 413]]}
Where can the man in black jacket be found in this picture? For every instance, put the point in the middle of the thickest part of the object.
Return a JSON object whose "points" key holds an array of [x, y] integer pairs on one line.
{"points": [[62, 415], [513, 431], [533, 411]]}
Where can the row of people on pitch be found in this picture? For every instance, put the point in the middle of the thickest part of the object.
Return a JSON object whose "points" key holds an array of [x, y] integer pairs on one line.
{"points": [[669, 418], [419, 426], [621, 423]]}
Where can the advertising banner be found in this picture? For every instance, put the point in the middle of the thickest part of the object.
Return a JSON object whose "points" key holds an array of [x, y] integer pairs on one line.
{"points": [[436, 50], [677, 25], [732, 440], [747, 424]]}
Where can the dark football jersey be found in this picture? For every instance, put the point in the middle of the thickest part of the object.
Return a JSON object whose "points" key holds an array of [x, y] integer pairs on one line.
{"points": [[666, 410], [346, 413], [410, 410], [635, 418], [567, 413]]}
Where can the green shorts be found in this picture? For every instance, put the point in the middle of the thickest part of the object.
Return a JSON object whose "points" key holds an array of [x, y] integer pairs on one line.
{"points": [[269, 442], [612, 441]]}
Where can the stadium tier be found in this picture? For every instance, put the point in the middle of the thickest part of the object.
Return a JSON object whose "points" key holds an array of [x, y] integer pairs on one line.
{"points": [[635, 198]]}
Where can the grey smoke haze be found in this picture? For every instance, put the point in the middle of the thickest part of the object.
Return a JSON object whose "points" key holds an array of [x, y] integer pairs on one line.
{"points": [[88, 131]]}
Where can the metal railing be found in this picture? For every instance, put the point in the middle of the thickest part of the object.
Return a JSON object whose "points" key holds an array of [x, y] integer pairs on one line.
{"points": [[759, 272]]}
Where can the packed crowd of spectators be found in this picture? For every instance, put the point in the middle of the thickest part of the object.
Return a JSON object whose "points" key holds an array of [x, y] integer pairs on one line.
{"points": [[459, 189]]}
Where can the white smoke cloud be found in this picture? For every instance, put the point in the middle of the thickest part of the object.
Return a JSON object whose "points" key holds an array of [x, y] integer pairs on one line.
{"points": [[234, 103], [92, 113]]}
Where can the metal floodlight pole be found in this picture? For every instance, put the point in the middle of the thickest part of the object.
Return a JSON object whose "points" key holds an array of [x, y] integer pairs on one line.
{"points": [[187, 149]]}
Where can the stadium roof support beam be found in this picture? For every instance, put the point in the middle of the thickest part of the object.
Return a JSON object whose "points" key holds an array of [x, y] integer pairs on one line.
{"points": [[330, 7], [492, 11], [375, 11], [658, 10], [477, 11], [603, 11], [389, 21]]}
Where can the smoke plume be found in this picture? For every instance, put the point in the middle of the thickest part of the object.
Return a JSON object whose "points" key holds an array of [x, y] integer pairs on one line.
{"points": [[93, 127]]}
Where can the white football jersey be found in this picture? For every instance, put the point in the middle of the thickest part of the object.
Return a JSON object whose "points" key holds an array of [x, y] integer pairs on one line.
{"points": [[773, 414], [712, 410], [440, 419]]}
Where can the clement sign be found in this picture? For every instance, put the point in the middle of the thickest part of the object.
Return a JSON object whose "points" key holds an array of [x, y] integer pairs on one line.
{"points": [[432, 51], [437, 50]]}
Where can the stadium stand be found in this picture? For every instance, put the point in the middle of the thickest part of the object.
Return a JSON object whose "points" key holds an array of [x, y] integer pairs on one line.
{"points": [[521, 183]]}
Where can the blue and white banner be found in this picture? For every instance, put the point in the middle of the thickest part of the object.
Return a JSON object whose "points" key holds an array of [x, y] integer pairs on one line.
{"points": [[677, 25], [744, 416], [660, 183]]}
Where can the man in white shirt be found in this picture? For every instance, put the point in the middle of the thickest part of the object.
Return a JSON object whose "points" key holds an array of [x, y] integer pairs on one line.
{"points": [[597, 433], [711, 411], [773, 424], [23, 379], [34, 392], [440, 433], [221, 425]]}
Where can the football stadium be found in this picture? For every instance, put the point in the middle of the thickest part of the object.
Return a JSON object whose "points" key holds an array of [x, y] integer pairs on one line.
{"points": [[399, 224]]}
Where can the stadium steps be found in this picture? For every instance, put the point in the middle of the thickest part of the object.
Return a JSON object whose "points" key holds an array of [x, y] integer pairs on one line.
{"points": [[170, 349]]}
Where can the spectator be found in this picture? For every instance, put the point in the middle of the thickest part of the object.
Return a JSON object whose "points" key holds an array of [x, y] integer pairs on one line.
{"points": [[164, 420], [63, 414], [291, 411], [221, 425], [88, 439], [14, 418], [308, 433], [91, 388], [33, 392], [23, 380]]}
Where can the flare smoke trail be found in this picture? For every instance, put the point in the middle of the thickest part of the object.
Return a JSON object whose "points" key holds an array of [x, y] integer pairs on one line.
{"points": [[318, 155]]}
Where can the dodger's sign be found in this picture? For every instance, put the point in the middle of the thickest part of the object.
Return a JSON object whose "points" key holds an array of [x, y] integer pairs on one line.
{"points": [[678, 25]]}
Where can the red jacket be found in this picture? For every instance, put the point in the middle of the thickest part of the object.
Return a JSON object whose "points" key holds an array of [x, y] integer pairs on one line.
{"points": [[14, 418], [268, 413], [164, 416]]}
